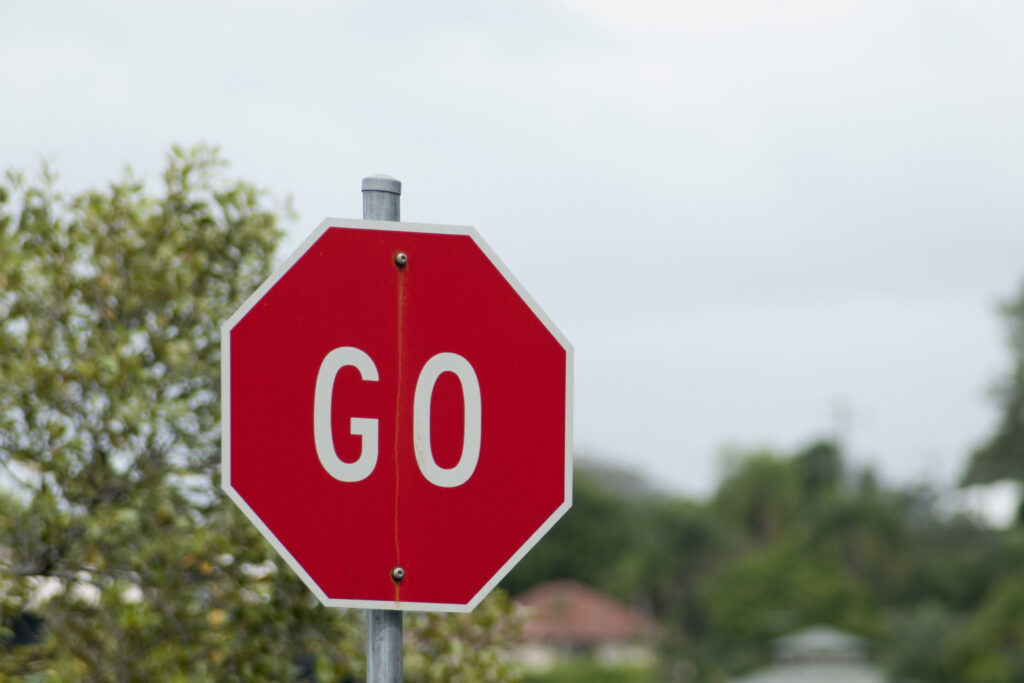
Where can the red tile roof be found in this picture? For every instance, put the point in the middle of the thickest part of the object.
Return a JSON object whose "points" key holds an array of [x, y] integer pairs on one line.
{"points": [[569, 613]]}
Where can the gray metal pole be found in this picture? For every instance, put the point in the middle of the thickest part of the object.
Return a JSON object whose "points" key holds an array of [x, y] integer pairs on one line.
{"points": [[381, 201], [383, 646]]}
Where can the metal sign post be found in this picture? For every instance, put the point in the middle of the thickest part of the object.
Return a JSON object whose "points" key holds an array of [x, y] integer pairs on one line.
{"points": [[382, 201]]}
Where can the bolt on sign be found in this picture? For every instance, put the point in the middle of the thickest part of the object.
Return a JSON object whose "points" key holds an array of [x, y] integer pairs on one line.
{"points": [[397, 415]]}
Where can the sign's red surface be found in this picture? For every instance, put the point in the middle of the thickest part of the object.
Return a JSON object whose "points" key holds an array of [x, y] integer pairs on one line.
{"points": [[380, 416]]}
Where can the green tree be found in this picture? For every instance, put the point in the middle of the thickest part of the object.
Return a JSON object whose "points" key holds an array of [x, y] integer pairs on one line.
{"points": [[109, 421], [760, 497], [1002, 456], [865, 536], [463, 648], [768, 593], [922, 640], [819, 470], [117, 536], [990, 649]]}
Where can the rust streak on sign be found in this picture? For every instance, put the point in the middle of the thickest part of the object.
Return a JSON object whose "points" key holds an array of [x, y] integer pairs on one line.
{"points": [[400, 306]]}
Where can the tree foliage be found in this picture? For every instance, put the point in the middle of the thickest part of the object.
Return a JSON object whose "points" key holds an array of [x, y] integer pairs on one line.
{"points": [[990, 649], [789, 541], [115, 536], [109, 435], [463, 648], [1002, 456]]}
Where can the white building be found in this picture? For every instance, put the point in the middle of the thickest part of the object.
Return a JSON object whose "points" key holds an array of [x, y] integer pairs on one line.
{"points": [[819, 654]]}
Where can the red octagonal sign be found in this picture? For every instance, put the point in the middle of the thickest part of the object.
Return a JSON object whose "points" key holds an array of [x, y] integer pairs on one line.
{"points": [[393, 398]]}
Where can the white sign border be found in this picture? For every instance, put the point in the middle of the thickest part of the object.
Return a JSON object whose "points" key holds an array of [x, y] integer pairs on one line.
{"points": [[225, 390]]}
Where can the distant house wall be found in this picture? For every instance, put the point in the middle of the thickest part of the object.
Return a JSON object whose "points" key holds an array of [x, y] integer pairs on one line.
{"points": [[566, 618]]}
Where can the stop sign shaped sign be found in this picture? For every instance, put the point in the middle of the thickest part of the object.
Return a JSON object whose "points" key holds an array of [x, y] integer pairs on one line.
{"points": [[396, 415]]}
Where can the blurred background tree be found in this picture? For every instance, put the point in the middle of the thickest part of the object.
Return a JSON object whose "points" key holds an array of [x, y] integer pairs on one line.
{"points": [[1002, 456], [790, 540]]}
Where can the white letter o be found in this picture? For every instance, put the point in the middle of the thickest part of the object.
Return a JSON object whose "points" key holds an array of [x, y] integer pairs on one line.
{"points": [[463, 470]]}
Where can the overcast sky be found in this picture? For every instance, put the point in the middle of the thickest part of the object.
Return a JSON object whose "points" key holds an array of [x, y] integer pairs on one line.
{"points": [[757, 222]]}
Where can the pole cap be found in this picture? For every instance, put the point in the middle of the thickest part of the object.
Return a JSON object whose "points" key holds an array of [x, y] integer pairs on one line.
{"points": [[382, 183]]}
